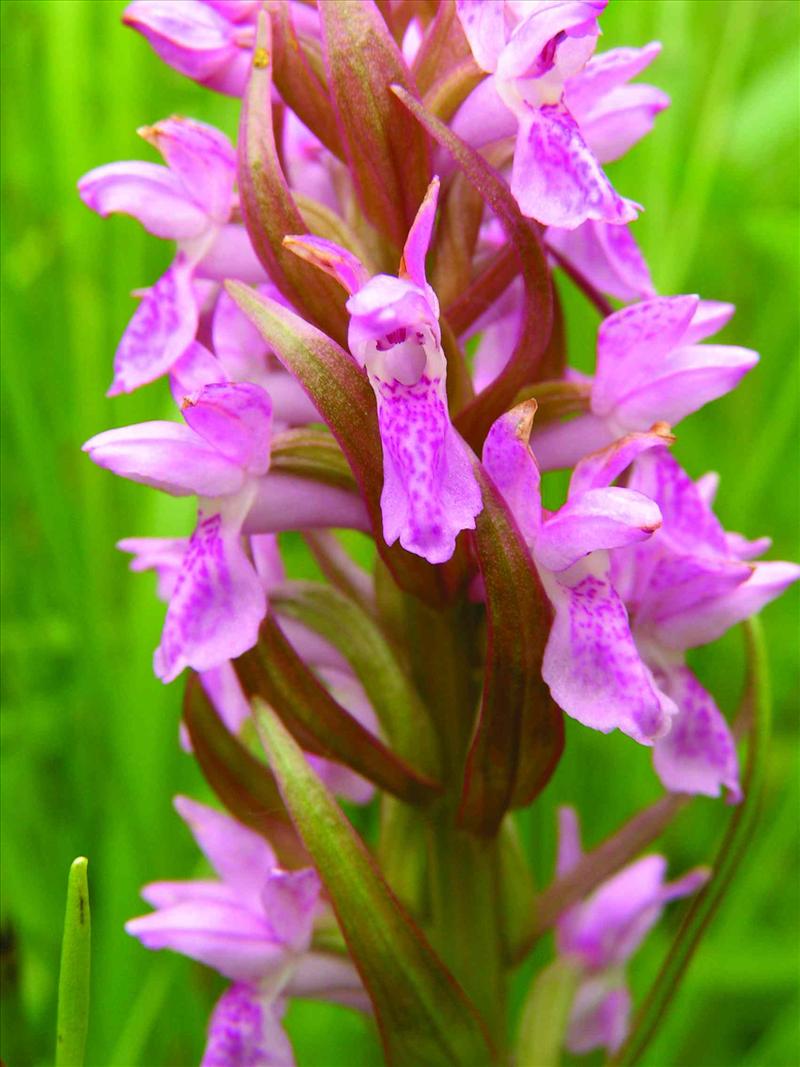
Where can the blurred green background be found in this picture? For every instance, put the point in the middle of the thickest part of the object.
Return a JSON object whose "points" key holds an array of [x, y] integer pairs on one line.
{"points": [[89, 736]]}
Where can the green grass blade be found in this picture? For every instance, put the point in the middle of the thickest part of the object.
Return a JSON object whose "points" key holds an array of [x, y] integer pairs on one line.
{"points": [[73, 984]]}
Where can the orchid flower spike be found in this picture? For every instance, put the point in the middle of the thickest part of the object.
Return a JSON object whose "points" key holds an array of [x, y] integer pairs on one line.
{"points": [[429, 492]]}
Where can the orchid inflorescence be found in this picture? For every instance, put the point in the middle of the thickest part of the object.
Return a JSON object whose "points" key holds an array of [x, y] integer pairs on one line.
{"points": [[361, 331]]}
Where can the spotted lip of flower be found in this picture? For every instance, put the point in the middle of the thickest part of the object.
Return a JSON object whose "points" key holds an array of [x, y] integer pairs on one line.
{"points": [[603, 932], [591, 663], [429, 491], [188, 201], [650, 368]]}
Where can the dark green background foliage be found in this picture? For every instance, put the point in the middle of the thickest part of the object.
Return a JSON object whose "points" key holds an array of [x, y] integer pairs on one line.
{"points": [[90, 736]]}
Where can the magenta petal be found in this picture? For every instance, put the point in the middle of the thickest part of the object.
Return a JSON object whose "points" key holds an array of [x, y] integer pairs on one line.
{"points": [[218, 602], [632, 343], [233, 940], [484, 25], [289, 900], [346, 268], [328, 977], [236, 419], [162, 328], [600, 1015], [245, 1031], [223, 689], [570, 851], [419, 238], [689, 523], [605, 72], [231, 256], [594, 519], [556, 179], [686, 379], [603, 467], [429, 489], [188, 35], [202, 158], [698, 755], [561, 444], [677, 586], [708, 319], [196, 367], [607, 256], [241, 857], [285, 502], [167, 894], [711, 619], [592, 665], [621, 119], [167, 456], [510, 464], [148, 192], [164, 555]]}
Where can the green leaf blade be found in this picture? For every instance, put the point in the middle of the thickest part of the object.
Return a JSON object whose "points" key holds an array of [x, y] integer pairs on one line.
{"points": [[424, 1017], [73, 982]]}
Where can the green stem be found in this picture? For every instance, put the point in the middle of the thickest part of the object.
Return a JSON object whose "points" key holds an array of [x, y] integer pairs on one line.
{"points": [[466, 916], [73, 982]]}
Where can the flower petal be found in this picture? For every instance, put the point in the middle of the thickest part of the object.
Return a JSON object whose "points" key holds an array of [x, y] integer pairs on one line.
{"points": [[556, 179], [607, 256], [167, 456], [190, 36], [149, 193], [412, 265], [290, 900], [594, 519], [245, 1031], [233, 940], [698, 755], [601, 468], [593, 667], [218, 602], [510, 464], [429, 490], [164, 555], [632, 343], [203, 160], [599, 1016], [236, 419], [484, 25], [714, 617], [622, 118], [162, 328]]}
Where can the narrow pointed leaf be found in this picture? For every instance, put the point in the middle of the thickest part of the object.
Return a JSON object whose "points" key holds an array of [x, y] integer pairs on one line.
{"points": [[73, 980], [314, 454], [424, 1017], [349, 629], [443, 46], [483, 290], [345, 401], [300, 79], [449, 92], [386, 150], [243, 784], [522, 367], [732, 852], [456, 236], [520, 734], [275, 672], [341, 569], [268, 208]]}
